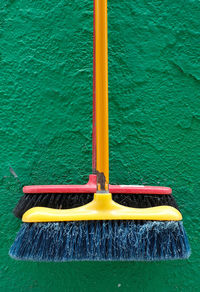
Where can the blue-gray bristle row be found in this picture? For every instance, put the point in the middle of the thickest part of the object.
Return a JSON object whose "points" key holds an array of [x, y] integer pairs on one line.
{"points": [[101, 240]]}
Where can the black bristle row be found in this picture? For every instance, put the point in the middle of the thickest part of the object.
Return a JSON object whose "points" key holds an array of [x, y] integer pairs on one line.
{"points": [[67, 201]]}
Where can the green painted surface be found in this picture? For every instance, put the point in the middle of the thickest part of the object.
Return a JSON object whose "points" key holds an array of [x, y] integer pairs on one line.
{"points": [[45, 124]]}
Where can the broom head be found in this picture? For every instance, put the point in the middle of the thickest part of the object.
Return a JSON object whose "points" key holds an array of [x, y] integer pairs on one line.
{"points": [[101, 230]]}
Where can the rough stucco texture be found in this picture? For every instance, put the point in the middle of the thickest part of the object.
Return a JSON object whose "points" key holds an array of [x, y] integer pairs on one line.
{"points": [[46, 114]]}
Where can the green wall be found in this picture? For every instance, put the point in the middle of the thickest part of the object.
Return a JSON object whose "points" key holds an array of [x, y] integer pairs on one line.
{"points": [[45, 124]]}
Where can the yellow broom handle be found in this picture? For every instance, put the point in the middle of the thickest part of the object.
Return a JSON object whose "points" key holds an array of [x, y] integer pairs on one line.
{"points": [[101, 46]]}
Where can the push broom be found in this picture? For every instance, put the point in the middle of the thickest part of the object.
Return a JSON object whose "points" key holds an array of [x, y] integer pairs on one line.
{"points": [[70, 196], [103, 229]]}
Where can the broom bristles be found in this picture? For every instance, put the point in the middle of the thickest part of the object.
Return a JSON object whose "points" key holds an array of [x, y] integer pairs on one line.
{"points": [[101, 240], [67, 201]]}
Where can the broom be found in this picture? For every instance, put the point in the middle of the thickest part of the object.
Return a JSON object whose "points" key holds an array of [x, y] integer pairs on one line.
{"points": [[71, 196], [102, 229]]}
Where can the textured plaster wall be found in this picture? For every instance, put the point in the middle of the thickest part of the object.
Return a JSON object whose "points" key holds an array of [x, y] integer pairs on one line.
{"points": [[45, 124]]}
